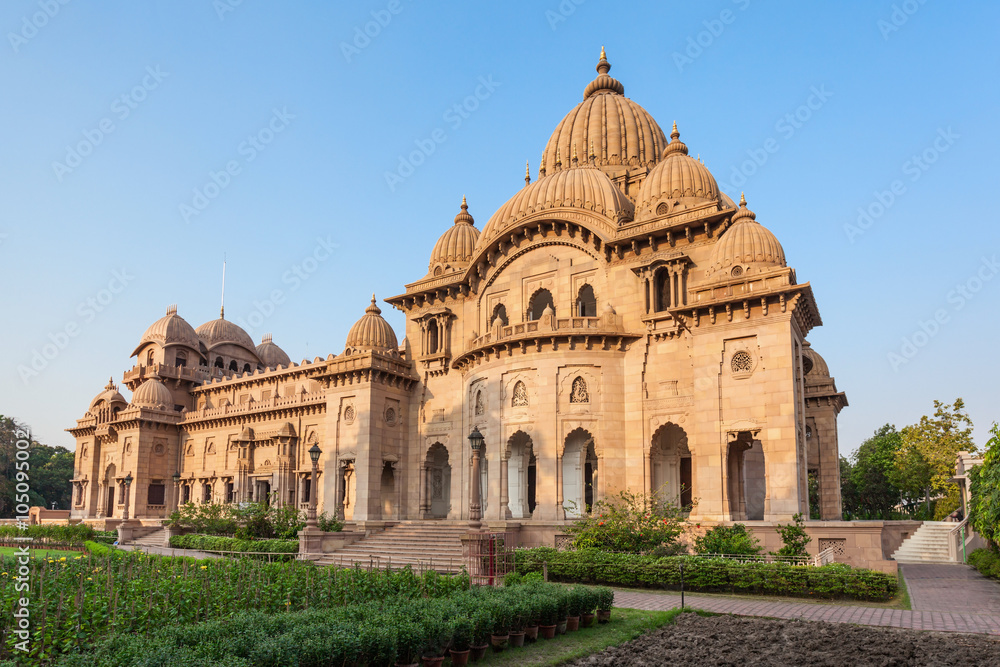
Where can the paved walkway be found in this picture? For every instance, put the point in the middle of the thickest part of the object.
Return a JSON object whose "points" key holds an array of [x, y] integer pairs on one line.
{"points": [[167, 551], [945, 598]]}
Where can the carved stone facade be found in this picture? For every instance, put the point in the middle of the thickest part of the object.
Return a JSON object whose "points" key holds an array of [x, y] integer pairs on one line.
{"points": [[618, 323]]}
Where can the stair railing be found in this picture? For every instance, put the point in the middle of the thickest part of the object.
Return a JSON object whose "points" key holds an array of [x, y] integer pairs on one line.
{"points": [[956, 537]]}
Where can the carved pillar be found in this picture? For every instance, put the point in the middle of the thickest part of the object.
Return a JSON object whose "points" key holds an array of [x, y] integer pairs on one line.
{"points": [[504, 490], [425, 496], [560, 510], [341, 491]]}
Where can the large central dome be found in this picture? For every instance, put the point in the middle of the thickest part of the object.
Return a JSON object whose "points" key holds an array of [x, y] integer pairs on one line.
{"points": [[606, 125]]}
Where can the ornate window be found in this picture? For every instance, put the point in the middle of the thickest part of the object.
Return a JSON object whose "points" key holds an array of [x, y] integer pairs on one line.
{"points": [[579, 393], [219, 363], [737, 271], [586, 302], [662, 209], [149, 358], [540, 300], [390, 416], [180, 359], [432, 337], [349, 414], [480, 407], [500, 312], [520, 399], [742, 363]]}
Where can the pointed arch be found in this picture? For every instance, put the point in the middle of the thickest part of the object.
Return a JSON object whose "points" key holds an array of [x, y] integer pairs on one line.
{"points": [[541, 299], [586, 301], [671, 472]]}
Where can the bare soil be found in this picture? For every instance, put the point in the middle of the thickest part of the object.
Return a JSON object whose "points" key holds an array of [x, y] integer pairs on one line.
{"points": [[736, 640]]}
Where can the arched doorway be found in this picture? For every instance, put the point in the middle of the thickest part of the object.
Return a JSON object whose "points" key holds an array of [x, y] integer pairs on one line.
{"points": [[388, 490], [539, 301], [521, 476], [670, 472], [579, 473], [438, 481], [746, 485], [586, 302], [109, 485]]}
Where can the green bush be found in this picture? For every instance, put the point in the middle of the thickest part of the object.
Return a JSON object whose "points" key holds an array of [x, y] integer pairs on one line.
{"points": [[986, 561], [220, 544], [735, 539], [593, 566], [75, 534], [605, 598], [629, 522], [461, 633]]}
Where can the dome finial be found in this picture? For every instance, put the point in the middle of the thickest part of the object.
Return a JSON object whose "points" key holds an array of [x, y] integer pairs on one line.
{"points": [[743, 200], [743, 213], [603, 66], [541, 169], [527, 174], [465, 207], [575, 161], [464, 216], [592, 156], [603, 82], [558, 157], [675, 134], [675, 145]]}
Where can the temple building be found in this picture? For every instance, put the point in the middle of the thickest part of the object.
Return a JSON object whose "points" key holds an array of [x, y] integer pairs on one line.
{"points": [[618, 323]]}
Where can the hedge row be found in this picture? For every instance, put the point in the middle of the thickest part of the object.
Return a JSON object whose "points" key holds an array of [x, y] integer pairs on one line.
{"points": [[76, 534], [986, 561], [215, 543], [708, 574]]}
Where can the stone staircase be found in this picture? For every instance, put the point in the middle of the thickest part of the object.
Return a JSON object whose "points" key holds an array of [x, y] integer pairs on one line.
{"points": [[425, 545], [928, 545], [153, 538]]}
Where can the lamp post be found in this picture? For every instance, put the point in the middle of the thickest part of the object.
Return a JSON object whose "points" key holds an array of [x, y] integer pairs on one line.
{"points": [[475, 505], [128, 488], [314, 454]]}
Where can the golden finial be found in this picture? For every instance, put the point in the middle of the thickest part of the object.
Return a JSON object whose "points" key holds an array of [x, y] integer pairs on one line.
{"points": [[541, 169], [465, 205], [527, 173], [558, 157], [592, 156], [604, 56], [574, 154], [743, 199]]}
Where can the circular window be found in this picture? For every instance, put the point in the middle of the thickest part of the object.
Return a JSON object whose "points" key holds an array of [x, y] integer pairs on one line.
{"points": [[737, 271], [742, 362]]}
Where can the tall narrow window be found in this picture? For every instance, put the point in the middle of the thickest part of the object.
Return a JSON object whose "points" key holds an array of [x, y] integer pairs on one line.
{"points": [[586, 302], [520, 398], [180, 359], [663, 290], [499, 312], [219, 363], [149, 358], [432, 337]]}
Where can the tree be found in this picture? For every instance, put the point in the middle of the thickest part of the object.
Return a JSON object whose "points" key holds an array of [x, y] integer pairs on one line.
{"points": [[49, 471], [926, 460], [984, 493], [873, 495]]}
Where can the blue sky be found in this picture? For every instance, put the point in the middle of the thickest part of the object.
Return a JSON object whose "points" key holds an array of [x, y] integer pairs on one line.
{"points": [[142, 142]]}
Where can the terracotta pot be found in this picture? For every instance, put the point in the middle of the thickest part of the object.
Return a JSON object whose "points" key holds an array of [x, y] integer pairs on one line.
{"points": [[517, 639], [586, 620], [572, 624], [477, 653], [531, 633], [561, 627], [547, 631], [432, 662], [499, 642], [603, 615], [460, 658]]}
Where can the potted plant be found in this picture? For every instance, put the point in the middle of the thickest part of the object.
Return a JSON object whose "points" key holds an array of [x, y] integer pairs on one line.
{"points": [[437, 634], [562, 600], [519, 617], [500, 634], [574, 606], [589, 604], [482, 624], [461, 640], [409, 643], [531, 627], [548, 616], [606, 599]]}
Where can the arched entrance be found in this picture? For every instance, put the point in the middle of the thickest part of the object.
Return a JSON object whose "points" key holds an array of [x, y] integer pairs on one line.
{"points": [[579, 473], [670, 473], [521, 475], [109, 486], [438, 481], [746, 485], [387, 488]]}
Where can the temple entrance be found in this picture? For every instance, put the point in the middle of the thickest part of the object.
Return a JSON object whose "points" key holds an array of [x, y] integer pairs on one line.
{"points": [[110, 509], [579, 473], [746, 485], [109, 482], [670, 466], [521, 476], [388, 490], [262, 491], [439, 481]]}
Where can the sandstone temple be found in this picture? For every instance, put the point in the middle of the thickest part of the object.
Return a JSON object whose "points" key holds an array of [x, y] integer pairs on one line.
{"points": [[618, 323]]}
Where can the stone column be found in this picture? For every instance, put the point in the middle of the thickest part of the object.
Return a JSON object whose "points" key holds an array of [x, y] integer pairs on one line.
{"points": [[425, 501], [504, 489], [560, 510]]}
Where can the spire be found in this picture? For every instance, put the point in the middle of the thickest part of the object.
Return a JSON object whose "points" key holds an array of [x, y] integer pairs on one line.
{"points": [[743, 200], [592, 157], [603, 66], [111, 384], [675, 134], [744, 213], [603, 82], [541, 169], [558, 157], [527, 174], [373, 309], [222, 308], [463, 215], [675, 145], [574, 154]]}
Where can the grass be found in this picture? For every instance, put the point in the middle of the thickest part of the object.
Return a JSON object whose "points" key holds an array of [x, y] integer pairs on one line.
{"points": [[39, 553], [903, 596], [625, 625]]}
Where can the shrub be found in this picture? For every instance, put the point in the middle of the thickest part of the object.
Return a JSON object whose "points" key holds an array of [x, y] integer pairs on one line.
{"points": [[605, 598], [482, 626], [512, 579], [629, 522], [987, 562], [215, 543], [409, 642], [735, 539], [329, 524], [461, 633], [794, 538], [75, 534]]}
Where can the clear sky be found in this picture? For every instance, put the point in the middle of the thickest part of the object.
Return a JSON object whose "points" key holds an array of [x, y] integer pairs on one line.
{"points": [[144, 141]]}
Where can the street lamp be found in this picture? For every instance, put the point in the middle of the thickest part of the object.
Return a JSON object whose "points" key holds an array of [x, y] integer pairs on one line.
{"points": [[128, 488], [475, 506], [177, 489], [314, 454]]}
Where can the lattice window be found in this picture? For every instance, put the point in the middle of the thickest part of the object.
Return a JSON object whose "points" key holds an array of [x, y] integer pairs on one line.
{"points": [[737, 271], [579, 393], [480, 407], [662, 209], [520, 399], [349, 414], [837, 543], [742, 362]]}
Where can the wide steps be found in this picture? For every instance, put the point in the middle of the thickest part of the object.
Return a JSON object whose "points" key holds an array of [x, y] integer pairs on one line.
{"points": [[423, 545], [928, 545], [153, 539]]}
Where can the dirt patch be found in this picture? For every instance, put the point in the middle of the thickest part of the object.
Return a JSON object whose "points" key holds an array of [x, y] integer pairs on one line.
{"points": [[734, 640]]}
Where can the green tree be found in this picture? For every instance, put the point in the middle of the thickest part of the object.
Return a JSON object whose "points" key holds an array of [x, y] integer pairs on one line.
{"points": [[984, 492], [875, 495], [925, 462], [49, 472]]}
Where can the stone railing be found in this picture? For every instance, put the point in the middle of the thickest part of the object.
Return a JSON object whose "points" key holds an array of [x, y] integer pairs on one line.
{"points": [[609, 322]]}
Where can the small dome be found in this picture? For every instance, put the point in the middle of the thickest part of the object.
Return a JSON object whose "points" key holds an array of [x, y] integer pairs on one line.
{"points": [[745, 242], [607, 125], [813, 365], [171, 329], [110, 395], [583, 187], [371, 332], [271, 354], [222, 331], [455, 247], [153, 394], [677, 175]]}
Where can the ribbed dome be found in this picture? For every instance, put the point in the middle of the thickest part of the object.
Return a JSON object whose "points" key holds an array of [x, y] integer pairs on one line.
{"points": [[271, 354], [221, 331], [109, 395], [677, 175], [455, 247], [745, 242], [606, 124], [813, 364], [583, 187], [171, 329], [371, 332], [153, 394]]}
